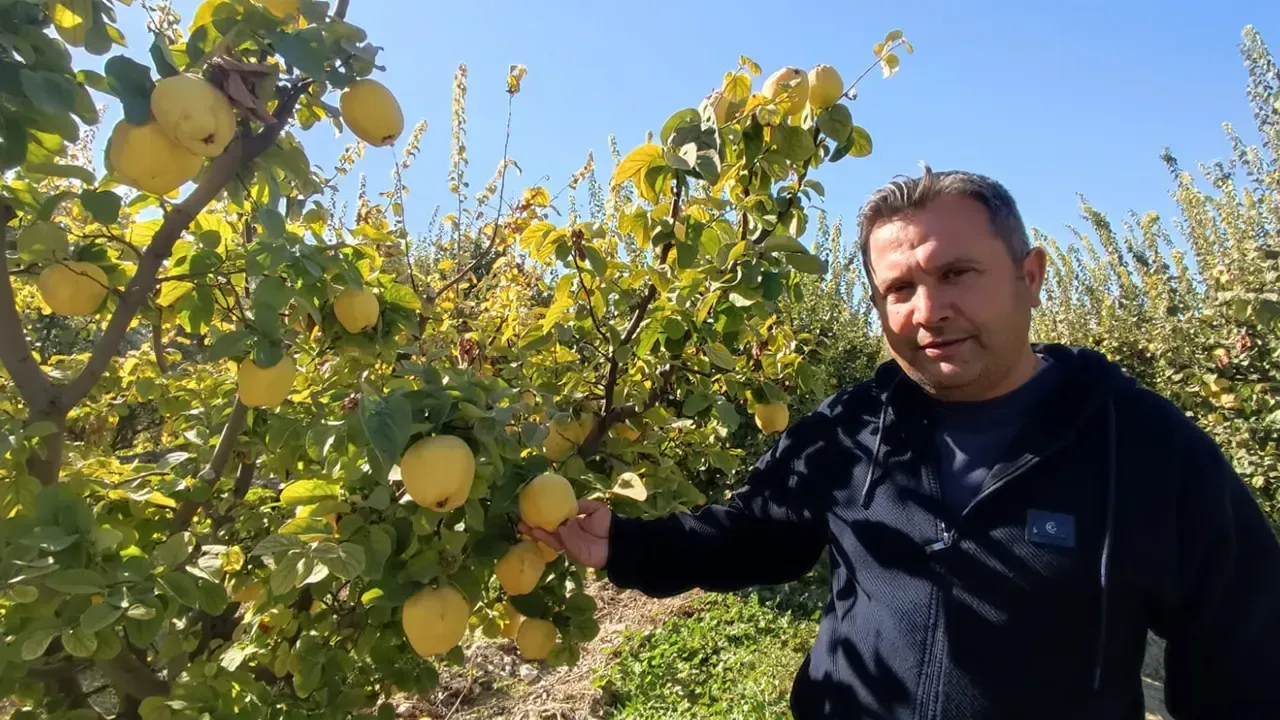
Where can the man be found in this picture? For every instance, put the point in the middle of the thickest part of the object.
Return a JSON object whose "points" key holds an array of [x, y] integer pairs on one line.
{"points": [[1005, 521]]}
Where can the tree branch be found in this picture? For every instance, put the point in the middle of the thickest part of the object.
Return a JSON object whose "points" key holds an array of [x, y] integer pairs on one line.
{"points": [[239, 154], [132, 677], [217, 464], [15, 352], [341, 11]]}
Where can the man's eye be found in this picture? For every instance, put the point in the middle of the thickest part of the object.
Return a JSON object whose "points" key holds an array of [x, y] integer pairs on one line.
{"points": [[899, 288], [956, 273]]}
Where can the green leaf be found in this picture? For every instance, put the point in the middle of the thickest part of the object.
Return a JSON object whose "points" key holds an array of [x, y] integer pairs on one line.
{"points": [[695, 404], [49, 169], [131, 82], [346, 560], [304, 526], [682, 118], [273, 544], [171, 552], [155, 708], [212, 597], [836, 122], [182, 587], [728, 414], [79, 642], [51, 92], [162, 57], [22, 594], [103, 205], [43, 241], [386, 424], [76, 582], [227, 345], [806, 263], [861, 146], [401, 295], [285, 575], [140, 612], [36, 642], [782, 242], [794, 142], [99, 616], [272, 222], [720, 355], [308, 492]]}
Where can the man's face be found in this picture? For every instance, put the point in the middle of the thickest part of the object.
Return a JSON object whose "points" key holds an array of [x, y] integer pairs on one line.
{"points": [[955, 307]]}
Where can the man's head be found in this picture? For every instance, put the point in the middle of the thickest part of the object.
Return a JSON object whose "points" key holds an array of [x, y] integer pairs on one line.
{"points": [[954, 278]]}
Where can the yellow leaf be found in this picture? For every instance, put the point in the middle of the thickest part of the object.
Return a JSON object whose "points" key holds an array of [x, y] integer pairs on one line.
{"points": [[889, 65], [233, 559], [515, 74], [630, 485], [749, 64], [172, 292], [140, 233], [634, 164], [892, 36], [162, 500], [536, 197], [878, 49], [737, 86]]}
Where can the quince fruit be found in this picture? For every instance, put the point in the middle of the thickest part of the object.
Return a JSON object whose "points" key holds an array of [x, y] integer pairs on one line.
{"points": [[547, 501], [357, 309], [372, 112], [789, 88], [772, 417], [535, 638], [438, 471], [519, 570], [265, 387], [434, 620], [194, 114], [825, 87], [72, 288], [144, 157]]}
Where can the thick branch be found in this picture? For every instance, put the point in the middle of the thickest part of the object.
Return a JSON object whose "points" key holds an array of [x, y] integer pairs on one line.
{"points": [[238, 155], [132, 677], [15, 351], [341, 11], [217, 464]]}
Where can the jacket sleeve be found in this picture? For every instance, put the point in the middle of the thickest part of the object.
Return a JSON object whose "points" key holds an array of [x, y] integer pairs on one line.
{"points": [[1222, 618], [768, 533]]}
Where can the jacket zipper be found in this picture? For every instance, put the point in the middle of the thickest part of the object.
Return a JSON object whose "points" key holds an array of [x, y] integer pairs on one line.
{"points": [[931, 683]]}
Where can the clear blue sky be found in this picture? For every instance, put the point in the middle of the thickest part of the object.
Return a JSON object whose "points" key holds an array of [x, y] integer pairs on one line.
{"points": [[1050, 98]]}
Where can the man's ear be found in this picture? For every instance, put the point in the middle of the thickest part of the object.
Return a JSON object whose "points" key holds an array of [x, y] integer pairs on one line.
{"points": [[1034, 267]]}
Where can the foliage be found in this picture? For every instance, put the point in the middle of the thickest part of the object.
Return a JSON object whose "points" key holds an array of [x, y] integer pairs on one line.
{"points": [[725, 656], [212, 560], [1196, 320]]}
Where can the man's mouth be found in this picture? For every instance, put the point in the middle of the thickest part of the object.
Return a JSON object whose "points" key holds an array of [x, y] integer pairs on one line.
{"points": [[938, 346]]}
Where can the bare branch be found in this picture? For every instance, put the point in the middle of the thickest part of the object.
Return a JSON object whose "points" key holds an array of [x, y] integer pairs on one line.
{"points": [[239, 154], [15, 351], [131, 676], [341, 11], [217, 464]]}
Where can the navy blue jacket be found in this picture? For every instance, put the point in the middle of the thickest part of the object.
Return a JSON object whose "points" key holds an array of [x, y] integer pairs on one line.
{"points": [[1119, 515]]}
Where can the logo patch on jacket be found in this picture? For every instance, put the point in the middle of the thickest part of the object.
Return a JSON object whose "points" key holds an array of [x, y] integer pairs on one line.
{"points": [[1048, 528]]}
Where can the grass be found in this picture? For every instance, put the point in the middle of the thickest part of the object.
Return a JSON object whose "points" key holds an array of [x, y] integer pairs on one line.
{"points": [[726, 657]]}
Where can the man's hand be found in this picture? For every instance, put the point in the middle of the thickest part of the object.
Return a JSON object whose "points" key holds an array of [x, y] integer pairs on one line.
{"points": [[585, 539]]}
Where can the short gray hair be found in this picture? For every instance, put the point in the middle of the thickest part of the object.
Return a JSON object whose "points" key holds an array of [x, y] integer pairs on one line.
{"points": [[906, 194]]}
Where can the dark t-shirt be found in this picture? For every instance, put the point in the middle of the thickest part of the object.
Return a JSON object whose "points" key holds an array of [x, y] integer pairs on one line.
{"points": [[973, 437]]}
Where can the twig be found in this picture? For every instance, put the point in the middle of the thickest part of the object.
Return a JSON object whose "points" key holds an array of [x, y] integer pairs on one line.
{"points": [[874, 65], [591, 307], [493, 238], [341, 11]]}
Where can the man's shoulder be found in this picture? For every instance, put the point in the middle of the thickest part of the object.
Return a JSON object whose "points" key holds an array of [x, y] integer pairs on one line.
{"points": [[848, 403], [1156, 423]]}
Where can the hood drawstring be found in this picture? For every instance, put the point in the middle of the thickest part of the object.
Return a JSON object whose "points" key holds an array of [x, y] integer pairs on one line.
{"points": [[1106, 542], [868, 486]]}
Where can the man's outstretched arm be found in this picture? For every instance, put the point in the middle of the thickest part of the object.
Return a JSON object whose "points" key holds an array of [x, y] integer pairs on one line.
{"points": [[768, 533]]}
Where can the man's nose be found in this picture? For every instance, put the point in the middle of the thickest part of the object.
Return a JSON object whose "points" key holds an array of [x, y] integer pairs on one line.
{"points": [[931, 308]]}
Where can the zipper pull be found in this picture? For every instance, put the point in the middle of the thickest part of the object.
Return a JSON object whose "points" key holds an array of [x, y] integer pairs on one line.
{"points": [[944, 543]]}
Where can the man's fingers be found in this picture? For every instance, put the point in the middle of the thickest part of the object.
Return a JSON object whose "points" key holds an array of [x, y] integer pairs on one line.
{"points": [[587, 507], [551, 539]]}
